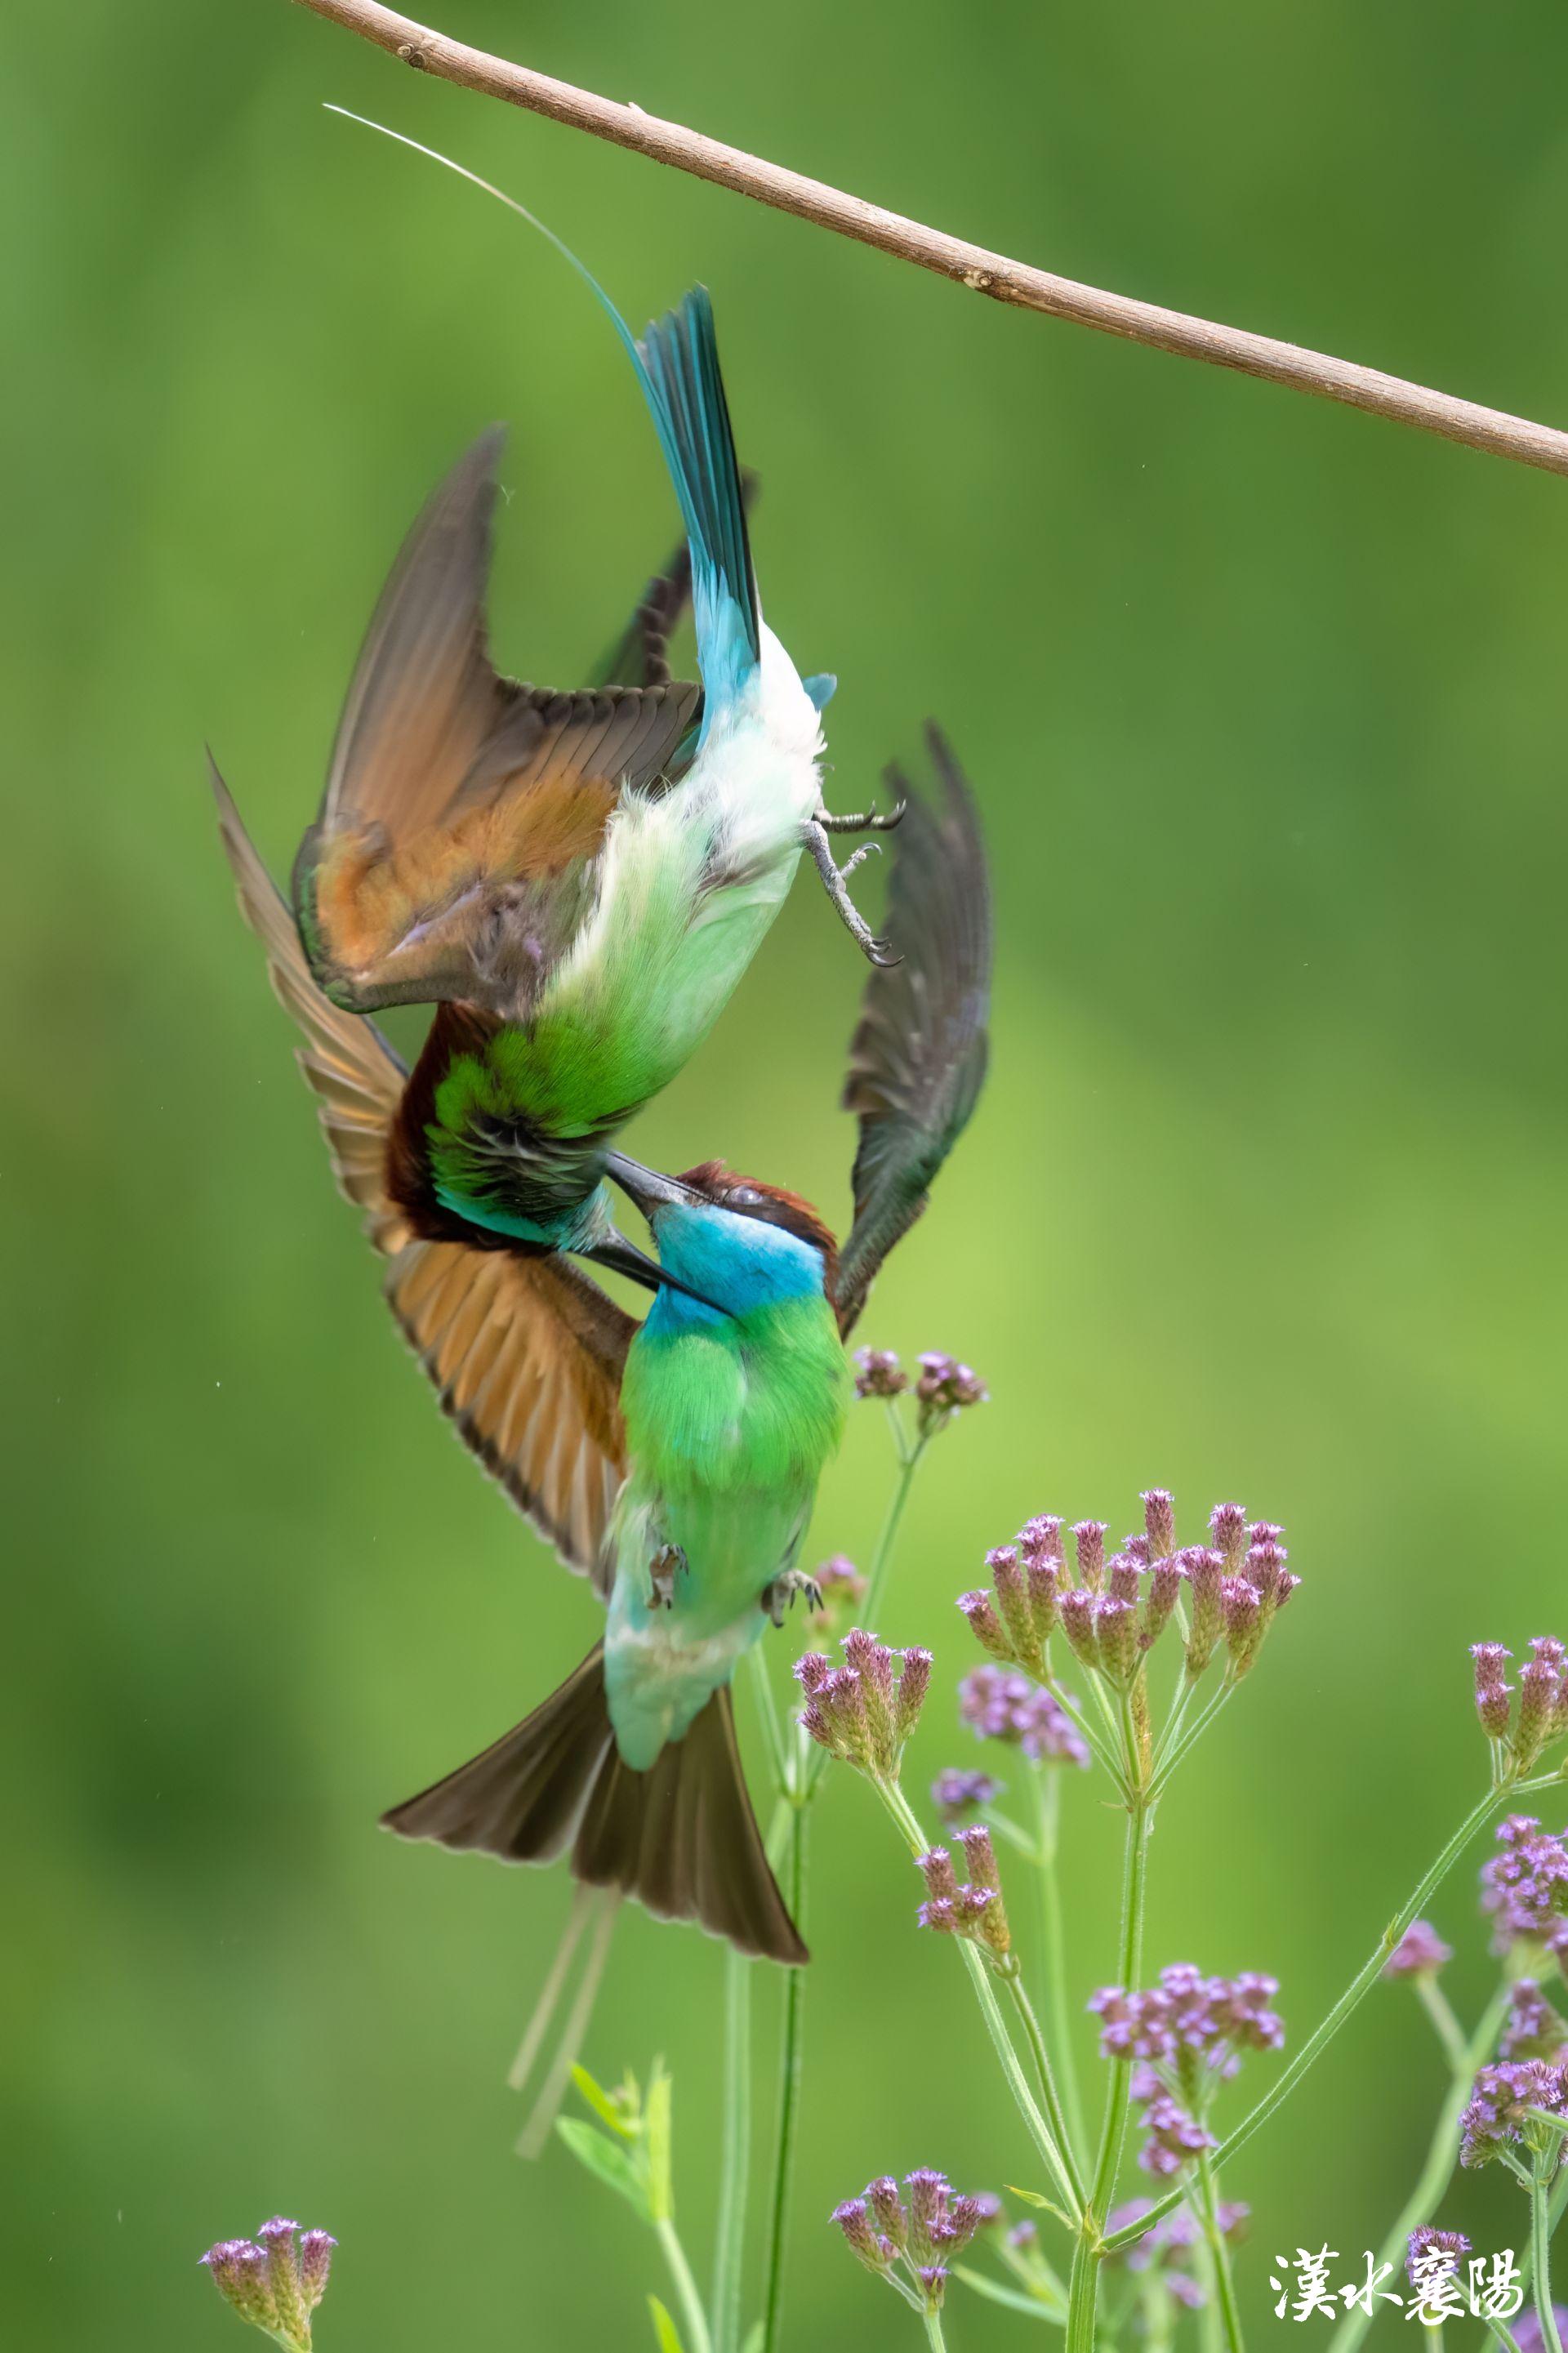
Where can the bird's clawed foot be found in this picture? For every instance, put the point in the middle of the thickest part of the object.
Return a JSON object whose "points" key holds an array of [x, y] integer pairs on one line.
{"points": [[836, 882], [668, 1564], [875, 820], [788, 1589]]}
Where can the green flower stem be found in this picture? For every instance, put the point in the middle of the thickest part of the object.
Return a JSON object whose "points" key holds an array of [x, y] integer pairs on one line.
{"points": [[934, 2336], [1083, 2287], [1053, 1947], [1445, 2025], [1279, 2091], [1503, 2333], [696, 2321], [736, 2154], [910, 1457], [1046, 2139], [1176, 1750], [1219, 2253], [1541, 2266], [1441, 2158], [790, 2065]]}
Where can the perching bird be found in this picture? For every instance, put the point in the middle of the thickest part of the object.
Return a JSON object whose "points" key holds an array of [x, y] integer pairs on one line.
{"points": [[727, 1402], [576, 881]]}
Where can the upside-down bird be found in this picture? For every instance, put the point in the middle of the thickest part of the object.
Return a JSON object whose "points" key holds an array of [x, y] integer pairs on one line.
{"points": [[715, 1416], [576, 881]]}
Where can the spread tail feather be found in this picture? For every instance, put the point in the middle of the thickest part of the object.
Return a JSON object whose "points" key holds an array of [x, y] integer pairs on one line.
{"points": [[680, 1838]]}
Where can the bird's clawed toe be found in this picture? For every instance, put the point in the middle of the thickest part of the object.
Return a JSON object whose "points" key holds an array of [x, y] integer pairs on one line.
{"points": [[668, 1564], [835, 882], [787, 1589]]}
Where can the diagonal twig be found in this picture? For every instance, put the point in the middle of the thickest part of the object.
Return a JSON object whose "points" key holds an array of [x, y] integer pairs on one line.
{"points": [[1014, 283]]}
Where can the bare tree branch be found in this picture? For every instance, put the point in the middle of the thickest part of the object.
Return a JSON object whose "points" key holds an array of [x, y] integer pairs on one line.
{"points": [[951, 256]]}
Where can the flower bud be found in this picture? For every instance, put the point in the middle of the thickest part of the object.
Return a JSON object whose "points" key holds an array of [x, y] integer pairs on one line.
{"points": [[1203, 1574], [1419, 1953], [1116, 1632], [1165, 1588], [914, 1681], [984, 1624], [1078, 1625], [276, 2240], [1041, 1538], [1010, 1587], [1088, 1538], [854, 2219], [936, 1869], [240, 2274], [1160, 1521], [1227, 1534], [1537, 1704], [315, 2265], [1243, 1615], [888, 2207]]}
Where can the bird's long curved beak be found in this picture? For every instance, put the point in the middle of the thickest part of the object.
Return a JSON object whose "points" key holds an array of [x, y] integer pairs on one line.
{"points": [[623, 1257], [645, 1187]]}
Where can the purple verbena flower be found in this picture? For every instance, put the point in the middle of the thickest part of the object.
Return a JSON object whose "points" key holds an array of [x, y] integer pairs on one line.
{"points": [[955, 1793], [273, 2283], [1533, 2029], [1525, 1888], [1420, 1952], [999, 1704], [842, 1589], [917, 2232], [878, 1374], [1497, 2113], [945, 1388], [864, 1711]]}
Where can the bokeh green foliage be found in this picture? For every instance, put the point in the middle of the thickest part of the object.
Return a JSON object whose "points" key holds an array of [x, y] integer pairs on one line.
{"points": [[1265, 704]]}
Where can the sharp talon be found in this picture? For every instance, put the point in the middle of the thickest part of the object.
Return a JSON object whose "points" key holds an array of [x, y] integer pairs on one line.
{"points": [[786, 1590], [875, 820], [815, 839], [666, 1565]]}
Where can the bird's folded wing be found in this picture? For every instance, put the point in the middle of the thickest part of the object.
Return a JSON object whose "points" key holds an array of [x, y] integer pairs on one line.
{"points": [[526, 1353], [453, 854], [917, 1056]]}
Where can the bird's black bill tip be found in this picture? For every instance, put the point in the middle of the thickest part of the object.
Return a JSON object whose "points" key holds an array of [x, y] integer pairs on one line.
{"points": [[622, 1257]]}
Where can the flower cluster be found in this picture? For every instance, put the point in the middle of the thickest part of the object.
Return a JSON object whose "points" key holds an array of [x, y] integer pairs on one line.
{"points": [[878, 1374], [1541, 1716], [943, 1388], [273, 2283], [910, 2239], [1533, 2029], [1112, 1611], [1420, 1953], [1525, 1888], [1427, 2244], [1188, 2032], [1498, 2119], [955, 1793], [1167, 2247], [974, 1908], [999, 1703], [864, 1711]]}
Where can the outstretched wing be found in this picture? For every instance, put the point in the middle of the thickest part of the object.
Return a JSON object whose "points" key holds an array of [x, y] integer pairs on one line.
{"points": [[526, 1353], [452, 857], [917, 1056]]}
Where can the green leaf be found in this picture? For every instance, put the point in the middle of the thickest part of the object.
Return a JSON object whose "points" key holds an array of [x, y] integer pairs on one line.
{"points": [[664, 2327], [754, 2339], [996, 2292], [604, 2105], [1033, 2197], [656, 2126], [607, 2159]]}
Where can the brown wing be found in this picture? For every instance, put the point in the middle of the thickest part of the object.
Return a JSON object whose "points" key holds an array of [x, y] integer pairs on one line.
{"points": [[917, 1056], [452, 856], [526, 1353]]}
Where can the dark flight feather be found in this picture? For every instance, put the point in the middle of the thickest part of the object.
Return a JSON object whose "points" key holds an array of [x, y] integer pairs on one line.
{"points": [[917, 1060], [681, 1838]]}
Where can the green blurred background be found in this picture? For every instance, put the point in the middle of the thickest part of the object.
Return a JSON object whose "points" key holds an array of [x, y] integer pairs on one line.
{"points": [[1265, 705]]}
